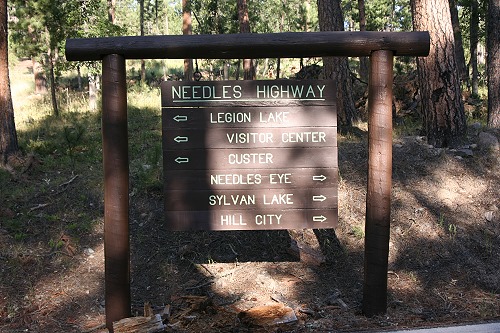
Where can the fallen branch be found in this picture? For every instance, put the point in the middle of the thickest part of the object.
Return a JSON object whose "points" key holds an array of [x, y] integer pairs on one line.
{"points": [[39, 206], [64, 185], [69, 181], [139, 325]]}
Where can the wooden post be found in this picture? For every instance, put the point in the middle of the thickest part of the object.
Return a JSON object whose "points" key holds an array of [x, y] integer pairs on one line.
{"points": [[116, 178], [378, 198]]}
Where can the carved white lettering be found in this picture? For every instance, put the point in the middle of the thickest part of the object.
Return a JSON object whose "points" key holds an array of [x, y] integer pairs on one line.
{"points": [[230, 117], [279, 117], [232, 199], [279, 199], [280, 178], [232, 220], [249, 137], [236, 179], [314, 137], [267, 219], [251, 158]]}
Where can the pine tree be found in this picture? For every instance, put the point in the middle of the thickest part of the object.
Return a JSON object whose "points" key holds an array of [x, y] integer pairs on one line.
{"points": [[443, 108], [337, 69], [494, 64], [8, 134]]}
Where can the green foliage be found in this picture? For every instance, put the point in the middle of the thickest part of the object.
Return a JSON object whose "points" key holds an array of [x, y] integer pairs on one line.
{"points": [[381, 15], [358, 231], [283, 16], [215, 16], [42, 26], [160, 17]]}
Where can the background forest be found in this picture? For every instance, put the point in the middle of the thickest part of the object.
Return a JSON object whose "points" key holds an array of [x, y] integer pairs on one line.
{"points": [[445, 235], [38, 31]]}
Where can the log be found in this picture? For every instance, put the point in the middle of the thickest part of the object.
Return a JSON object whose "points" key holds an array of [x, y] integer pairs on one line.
{"points": [[237, 46], [268, 315], [139, 325]]}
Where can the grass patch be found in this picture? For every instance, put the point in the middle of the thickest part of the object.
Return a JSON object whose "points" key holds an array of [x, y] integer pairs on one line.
{"points": [[61, 192]]}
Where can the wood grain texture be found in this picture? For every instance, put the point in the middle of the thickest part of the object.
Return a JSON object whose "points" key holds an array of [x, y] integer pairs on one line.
{"points": [[236, 46]]}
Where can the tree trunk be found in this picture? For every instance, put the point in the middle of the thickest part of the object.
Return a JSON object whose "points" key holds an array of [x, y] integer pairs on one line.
{"points": [[474, 40], [92, 91], [248, 67], [278, 68], [79, 77], [40, 79], [141, 18], [50, 62], [363, 61], [443, 109], [459, 47], [238, 67], [337, 69], [8, 134], [493, 64], [112, 11], [187, 29]]}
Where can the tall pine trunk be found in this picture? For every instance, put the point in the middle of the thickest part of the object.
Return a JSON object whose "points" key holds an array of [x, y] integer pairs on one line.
{"points": [[52, 78], [141, 24], [337, 68], [8, 135], [111, 11], [493, 63], [459, 47], [363, 61], [443, 109], [187, 29], [474, 40], [39, 75], [248, 67]]}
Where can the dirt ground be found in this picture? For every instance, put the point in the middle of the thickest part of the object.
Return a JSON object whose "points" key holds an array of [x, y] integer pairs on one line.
{"points": [[443, 265]]}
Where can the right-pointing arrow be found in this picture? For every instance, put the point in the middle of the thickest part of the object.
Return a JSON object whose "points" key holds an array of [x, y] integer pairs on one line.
{"points": [[320, 218], [320, 178], [320, 198]]}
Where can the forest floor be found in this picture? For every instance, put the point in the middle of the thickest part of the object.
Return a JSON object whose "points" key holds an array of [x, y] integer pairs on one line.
{"points": [[444, 254]]}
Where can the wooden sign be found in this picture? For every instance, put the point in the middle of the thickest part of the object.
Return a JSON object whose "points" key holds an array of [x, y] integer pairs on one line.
{"points": [[250, 155]]}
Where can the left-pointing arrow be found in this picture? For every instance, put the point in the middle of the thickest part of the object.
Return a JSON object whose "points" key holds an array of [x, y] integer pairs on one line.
{"points": [[180, 139], [182, 160], [179, 118]]}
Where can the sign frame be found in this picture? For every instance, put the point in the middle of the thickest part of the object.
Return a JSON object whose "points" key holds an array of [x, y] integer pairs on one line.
{"points": [[380, 47]]}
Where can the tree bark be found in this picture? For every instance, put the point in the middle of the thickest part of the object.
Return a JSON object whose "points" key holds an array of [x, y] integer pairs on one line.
{"points": [[141, 18], [52, 78], [337, 69], [363, 61], [248, 67], [474, 40], [8, 134], [187, 29], [40, 79], [112, 11], [443, 109], [459, 47], [493, 64]]}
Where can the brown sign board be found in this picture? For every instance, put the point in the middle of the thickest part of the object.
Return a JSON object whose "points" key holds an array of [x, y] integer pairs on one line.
{"points": [[250, 155]]}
